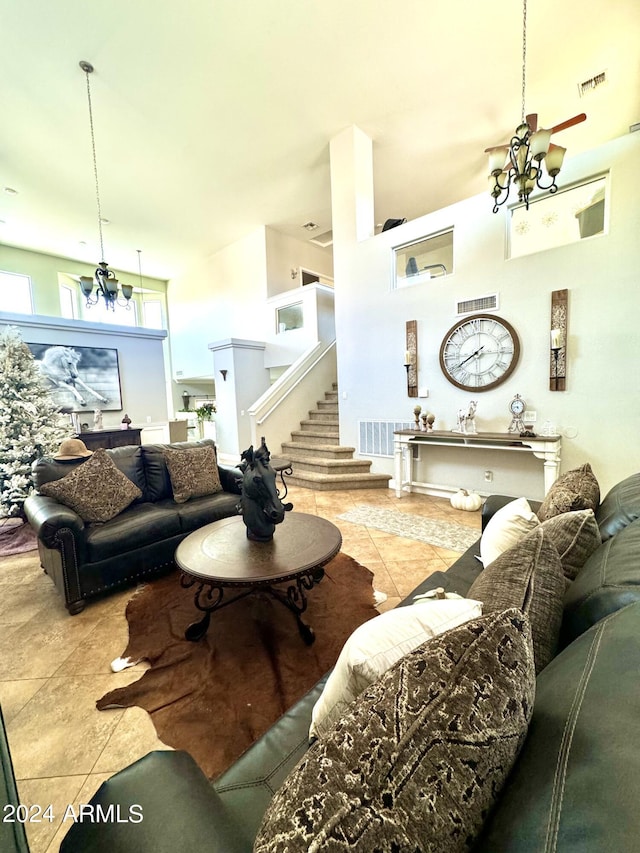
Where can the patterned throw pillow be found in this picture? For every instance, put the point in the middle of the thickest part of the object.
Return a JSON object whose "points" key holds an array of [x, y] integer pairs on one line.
{"points": [[374, 647], [577, 489], [576, 536], [97, 490], [528, 576], [193, 473], [418, 759]]}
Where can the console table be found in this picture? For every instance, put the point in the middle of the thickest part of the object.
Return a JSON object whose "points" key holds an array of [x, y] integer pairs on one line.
{"points": [[108, 438], [546, 448]]}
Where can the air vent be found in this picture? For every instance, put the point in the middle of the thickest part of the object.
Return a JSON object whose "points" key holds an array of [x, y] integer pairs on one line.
{"points": [[375, 438], [588, 86], [480, 303], [323, 240]]}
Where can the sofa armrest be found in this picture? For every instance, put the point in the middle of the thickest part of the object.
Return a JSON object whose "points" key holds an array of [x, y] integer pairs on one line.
{"points": [[47, 517], [231, 479], [161, 803]]}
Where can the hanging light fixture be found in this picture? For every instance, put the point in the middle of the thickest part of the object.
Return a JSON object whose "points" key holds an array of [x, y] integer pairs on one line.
{"points": [[520, 162], [105, 279]]}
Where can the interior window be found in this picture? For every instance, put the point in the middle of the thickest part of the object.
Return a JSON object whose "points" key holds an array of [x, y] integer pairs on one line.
{"points": [[68, 302], [567, 216], [421, 260], [152, 313], [15, 293]]}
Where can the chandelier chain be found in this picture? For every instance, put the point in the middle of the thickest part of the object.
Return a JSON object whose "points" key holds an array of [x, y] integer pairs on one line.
{"points": [[524, 53], [95, 166]]}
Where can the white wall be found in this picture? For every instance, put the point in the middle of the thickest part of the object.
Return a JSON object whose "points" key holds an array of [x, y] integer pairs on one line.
{"points": [[285, 253], [219, 297], [600, 411]]}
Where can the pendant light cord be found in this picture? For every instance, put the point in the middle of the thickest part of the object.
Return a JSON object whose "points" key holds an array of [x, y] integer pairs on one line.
{"points": [[95, 163]]}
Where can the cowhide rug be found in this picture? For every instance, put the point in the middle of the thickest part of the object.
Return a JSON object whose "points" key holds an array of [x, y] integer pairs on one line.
{"points": [[214, 698]]}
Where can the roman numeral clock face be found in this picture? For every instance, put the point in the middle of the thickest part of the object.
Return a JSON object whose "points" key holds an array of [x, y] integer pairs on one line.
{"points": [[479, 352]]}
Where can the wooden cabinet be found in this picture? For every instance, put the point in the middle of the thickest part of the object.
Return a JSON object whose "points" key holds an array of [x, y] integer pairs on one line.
{"points": [[109, 438]]}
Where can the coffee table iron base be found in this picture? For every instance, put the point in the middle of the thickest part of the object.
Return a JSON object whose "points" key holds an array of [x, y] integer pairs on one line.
{"points": [[210, 596]]}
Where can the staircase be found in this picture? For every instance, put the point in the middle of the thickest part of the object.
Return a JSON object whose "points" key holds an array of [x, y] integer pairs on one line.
{"points": [[319, 461]]}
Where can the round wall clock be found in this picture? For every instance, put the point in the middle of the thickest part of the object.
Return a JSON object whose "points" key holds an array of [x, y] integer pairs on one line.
{"points": [[479, 352]]}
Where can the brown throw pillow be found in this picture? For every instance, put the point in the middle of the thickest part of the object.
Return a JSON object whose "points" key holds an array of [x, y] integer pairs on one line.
{"points": [[193, 472], [577, 489], [576, 536], [97, 490], [418, 759], [528, 576]]}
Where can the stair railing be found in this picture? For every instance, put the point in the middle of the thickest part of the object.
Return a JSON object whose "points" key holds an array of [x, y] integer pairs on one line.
{"points": [[279, 410]]}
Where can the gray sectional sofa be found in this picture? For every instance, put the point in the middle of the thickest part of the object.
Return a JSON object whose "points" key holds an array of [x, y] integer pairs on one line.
{"points": [[573, 788], [87, 560]]}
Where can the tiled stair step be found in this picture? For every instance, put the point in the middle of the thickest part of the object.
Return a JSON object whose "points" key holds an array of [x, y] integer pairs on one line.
{"points": [[330, 482], [310, 436], [295, 450], [320, 425], [331, 466]]}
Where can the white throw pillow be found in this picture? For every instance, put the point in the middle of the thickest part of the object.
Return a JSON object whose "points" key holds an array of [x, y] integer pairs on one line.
{"points": [[506, 528], [377, 644]]}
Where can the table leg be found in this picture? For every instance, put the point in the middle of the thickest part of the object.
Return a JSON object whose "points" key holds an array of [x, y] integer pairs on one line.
{"points": [[207, 599], [295, 600], [197, 630]]}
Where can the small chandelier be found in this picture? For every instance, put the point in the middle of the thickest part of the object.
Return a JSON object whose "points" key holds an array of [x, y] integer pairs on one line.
{"points": [[519, 163], [105, 279]]}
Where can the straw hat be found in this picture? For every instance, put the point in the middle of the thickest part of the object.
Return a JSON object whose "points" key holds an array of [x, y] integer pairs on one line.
{"points": [[72, 448]]}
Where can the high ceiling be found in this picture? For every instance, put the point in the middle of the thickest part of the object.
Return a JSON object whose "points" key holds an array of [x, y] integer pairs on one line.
{"points": [[213, 117]]}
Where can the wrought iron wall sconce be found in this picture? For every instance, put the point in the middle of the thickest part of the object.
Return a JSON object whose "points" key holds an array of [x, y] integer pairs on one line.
{"points": [[411, 358], [558, 344], [224, 375]]}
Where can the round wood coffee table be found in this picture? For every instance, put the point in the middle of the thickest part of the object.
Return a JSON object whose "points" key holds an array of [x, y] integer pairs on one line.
{"points": [[218, 557]]}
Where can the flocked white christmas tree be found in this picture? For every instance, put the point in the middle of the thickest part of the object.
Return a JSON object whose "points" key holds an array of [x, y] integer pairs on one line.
{"points": [[31, 425]]}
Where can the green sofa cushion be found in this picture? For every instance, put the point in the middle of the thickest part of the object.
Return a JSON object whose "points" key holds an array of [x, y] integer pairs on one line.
{"points": [[608, 581], [574, 788], [620, 507]]}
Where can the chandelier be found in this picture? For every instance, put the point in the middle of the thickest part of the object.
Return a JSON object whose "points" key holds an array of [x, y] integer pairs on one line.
{"points": [[104, 278], [520, 162]]}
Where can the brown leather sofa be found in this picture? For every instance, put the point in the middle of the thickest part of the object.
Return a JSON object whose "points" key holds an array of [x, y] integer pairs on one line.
{"points": [[88, 560]]}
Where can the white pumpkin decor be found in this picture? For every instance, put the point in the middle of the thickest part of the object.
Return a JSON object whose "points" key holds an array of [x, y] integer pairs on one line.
{"points": [[465, 500]]}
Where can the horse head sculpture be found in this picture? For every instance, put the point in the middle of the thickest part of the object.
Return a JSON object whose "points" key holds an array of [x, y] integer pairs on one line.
{"points": [[260, 504]]}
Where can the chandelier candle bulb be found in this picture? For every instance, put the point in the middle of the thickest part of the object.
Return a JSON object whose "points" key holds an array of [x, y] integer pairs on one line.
{"points": [[554, 159], [497, 159], [540, 144]]}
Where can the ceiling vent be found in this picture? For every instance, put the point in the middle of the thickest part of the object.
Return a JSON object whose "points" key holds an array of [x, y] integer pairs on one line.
{"points": [[323, 240], [593, 83], [480, 303]]}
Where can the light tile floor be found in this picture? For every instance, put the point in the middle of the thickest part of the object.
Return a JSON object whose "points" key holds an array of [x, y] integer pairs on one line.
{"points": [[53, 667]]}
